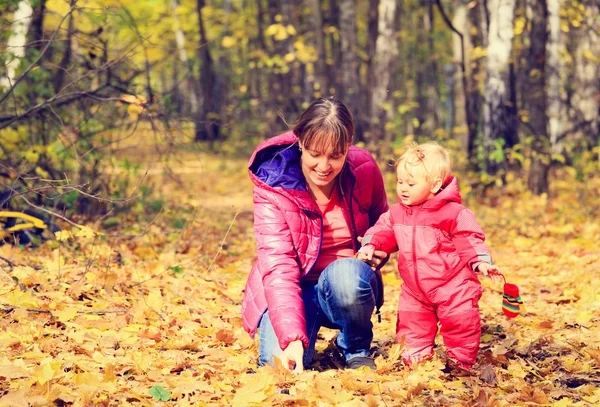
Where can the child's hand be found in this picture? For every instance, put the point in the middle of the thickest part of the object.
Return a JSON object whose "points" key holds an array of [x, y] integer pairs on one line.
{"points": [[365, 253], [490, 270]]}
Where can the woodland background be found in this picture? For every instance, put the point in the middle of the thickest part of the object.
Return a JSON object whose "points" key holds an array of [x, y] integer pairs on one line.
{"points": [[130, 124]]}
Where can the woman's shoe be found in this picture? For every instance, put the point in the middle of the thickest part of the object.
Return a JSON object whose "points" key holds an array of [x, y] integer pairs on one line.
{"points": [[360, 361]]}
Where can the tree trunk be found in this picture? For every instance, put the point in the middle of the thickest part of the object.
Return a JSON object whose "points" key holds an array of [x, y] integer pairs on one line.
{"points": [[186, 86], [371, 82], [16, 42], [434, 108], [585, 102], [474, 97], [64, 65], [333, 59], [537, 99], [460, 45], [320, 85], [498, 123], [386, 51], [553, 75], [207, 128], [291, 78], [36, 29], [349, 89], [420, 67]]}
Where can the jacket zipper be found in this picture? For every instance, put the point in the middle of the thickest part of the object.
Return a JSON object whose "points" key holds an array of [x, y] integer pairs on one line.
{"points": [[320, 243], [352, 223], [414, 250]]}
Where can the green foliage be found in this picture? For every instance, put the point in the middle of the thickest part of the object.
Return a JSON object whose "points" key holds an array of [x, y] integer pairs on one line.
{"points": [[159, 393]]}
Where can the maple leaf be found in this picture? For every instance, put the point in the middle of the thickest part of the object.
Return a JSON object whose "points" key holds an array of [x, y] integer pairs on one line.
{"points": [[16, 398], [159, 393], [20, 298], [47, 370], [225, 336], [10, 370], [85, 232], [63, 235], [65, 315]]}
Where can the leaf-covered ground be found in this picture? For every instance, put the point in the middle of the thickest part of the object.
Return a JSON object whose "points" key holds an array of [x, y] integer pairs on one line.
{"points": [[149, 312]]}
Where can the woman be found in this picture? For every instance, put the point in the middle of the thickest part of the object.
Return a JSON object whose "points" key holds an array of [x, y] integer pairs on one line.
{"points": [[315, 194]]}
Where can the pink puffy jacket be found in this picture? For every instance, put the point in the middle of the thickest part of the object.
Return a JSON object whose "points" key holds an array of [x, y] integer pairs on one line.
{"points": [[439, 243], [287, 227]]}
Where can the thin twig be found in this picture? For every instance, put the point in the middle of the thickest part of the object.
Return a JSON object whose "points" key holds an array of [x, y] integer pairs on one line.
{"points": [[10, 263], [217, 254], [46, 311], [105, 311]]}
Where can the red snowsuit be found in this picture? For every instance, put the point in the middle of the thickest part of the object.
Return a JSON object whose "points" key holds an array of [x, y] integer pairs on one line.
{"points": [[439, 243]]}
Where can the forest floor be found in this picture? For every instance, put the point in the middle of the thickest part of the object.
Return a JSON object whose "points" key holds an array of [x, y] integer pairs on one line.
{"points": [[148, 312]]}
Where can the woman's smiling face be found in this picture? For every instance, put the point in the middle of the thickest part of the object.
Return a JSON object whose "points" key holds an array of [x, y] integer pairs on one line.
{"points": [[320, 168]]}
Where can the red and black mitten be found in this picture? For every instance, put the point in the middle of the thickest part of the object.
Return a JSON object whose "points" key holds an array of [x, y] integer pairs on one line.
{"points": [[511, 300]]}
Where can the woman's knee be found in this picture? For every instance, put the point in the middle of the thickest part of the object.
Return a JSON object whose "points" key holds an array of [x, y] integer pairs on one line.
{"points": [[348, 279]]}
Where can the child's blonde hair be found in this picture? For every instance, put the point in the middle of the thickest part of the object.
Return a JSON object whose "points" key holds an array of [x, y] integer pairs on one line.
{"points": [[429, 158]]}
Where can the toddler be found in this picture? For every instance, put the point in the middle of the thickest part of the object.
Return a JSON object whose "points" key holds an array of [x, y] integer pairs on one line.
{"points": [[441, 248]]}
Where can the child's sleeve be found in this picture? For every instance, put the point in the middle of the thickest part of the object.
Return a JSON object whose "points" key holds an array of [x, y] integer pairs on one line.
{"points": [[469, 240], [381, 234]]}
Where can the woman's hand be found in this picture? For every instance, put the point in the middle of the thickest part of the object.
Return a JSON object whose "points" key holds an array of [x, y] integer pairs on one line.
{"points": [[291, 357]]}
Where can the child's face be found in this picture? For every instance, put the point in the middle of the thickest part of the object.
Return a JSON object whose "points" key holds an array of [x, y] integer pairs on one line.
{"points": [[414, 189]]}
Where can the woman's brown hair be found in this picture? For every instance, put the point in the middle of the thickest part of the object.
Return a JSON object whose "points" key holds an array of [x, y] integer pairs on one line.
{"points": [[327, 122]]}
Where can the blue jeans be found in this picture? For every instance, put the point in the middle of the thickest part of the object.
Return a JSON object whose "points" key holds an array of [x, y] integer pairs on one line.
{"points": [[343, 298]]}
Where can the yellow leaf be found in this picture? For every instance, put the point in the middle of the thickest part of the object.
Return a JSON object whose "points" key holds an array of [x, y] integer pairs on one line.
{"points": [[63, 235], [15, 399], [564, 402], [228, 41], [331, 392], [46, 371], [289, 57], [587, 54], [353, 403], [272, 29], [20, 298], [255, 388], [291, 30], [65, 315], [281, 33], [154, 299], [584, 317], [41, 172], [85, 232], [10, 370], [55, 263]]}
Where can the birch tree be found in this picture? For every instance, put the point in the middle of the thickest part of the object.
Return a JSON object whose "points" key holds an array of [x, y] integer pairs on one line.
{"points": [[585, 109], [553, 75], [499, 43], [386, 51], [16, 42], [188, 85]]}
